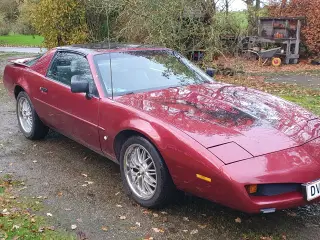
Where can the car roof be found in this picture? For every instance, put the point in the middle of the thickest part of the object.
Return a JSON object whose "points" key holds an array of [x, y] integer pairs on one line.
{"points": [[95, 48]]}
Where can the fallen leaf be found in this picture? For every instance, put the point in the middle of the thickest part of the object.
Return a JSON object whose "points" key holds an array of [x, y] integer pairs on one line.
{"points": [[148, 238], [85, 175], [73, 226], [60, 194], [291, 214], [238, 220], [158, 230], [84, 185], [119, 206], [21, 189], [32, 220], [41, 229], [146, 212], [15, 227], [51, 228], [35, 161], [15, 238], [202, 226], [117, 193], [138, 224], [265, 238], [164, 213], [185, 230], [49, 214], [194, 231], [122, 217], [89, 182], [155, 215], [185, 219], [68, 209], [103, 228]]}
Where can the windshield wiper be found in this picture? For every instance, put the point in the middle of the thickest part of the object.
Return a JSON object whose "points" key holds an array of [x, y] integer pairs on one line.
{"points": [[128, 93]]}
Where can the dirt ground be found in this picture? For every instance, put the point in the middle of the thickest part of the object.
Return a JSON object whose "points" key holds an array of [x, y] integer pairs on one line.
{"points": [[54, 168]]}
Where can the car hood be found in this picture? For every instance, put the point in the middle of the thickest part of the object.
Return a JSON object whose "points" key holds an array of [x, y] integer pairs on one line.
{"points": [[217, 114]]}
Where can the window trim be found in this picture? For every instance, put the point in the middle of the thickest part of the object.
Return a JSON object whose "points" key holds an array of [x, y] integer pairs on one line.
{"points": [[58, 51]]}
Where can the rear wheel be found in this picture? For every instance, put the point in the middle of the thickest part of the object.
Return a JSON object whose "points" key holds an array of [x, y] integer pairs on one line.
{"points": [[144, 174], [29, 122]]}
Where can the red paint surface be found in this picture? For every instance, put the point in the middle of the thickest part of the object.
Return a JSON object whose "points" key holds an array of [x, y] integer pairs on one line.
{"points": [[233, 135]]}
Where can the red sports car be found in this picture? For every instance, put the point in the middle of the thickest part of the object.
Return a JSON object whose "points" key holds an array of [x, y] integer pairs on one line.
{"points": [[171, 126]]}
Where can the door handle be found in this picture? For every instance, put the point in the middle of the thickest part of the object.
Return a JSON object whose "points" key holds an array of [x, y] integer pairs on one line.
{"points": [[44, 90]]}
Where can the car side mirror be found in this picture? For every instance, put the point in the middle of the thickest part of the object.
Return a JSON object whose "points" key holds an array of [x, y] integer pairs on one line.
{"points": [[210, 72], [80, 86]]}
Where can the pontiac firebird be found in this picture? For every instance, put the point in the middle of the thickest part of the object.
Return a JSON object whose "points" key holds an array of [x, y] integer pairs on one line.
{"points": [[170, 126]]}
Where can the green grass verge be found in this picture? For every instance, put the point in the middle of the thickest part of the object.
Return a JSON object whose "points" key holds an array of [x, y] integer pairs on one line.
{"points": [[311, 103], [21, 40], [18, 216]]}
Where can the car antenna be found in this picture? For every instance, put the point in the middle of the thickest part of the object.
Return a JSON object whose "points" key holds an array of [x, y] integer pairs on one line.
{"points": [[109, 46]]}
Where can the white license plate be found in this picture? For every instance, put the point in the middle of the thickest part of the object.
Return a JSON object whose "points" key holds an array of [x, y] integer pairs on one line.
{"points": [[312, 190]]}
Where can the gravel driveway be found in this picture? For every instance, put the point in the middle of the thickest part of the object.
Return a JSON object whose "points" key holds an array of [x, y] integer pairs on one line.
{"points": [[58, 169]]}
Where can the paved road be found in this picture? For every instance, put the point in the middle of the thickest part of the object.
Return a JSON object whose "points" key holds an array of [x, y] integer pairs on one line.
{"points": [[57, 174], [310, 80], [22, 49]]}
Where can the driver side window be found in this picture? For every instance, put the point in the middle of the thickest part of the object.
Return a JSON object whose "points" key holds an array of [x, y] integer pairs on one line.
{"points": [[67, 66]]}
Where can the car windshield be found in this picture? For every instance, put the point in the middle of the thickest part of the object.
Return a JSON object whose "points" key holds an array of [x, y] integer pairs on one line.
{"points": [[141, 71]]}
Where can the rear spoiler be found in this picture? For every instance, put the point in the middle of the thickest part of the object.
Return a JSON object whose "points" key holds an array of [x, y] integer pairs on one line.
{"points": [[22, 61]]}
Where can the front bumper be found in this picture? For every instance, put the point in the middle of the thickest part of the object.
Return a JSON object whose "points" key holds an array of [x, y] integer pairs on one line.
{"points": [[295, 165]]}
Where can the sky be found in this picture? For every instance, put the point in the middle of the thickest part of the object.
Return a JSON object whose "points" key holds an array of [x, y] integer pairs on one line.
{"points": [[237, 5]]}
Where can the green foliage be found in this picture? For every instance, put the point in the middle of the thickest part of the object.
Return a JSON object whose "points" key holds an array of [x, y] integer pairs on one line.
{"points": [[182, 25], [311, 103], [9, 9], [60, 22]]}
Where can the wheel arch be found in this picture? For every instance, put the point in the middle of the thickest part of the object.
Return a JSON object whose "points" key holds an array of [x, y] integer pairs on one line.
{"points": [[17, 90], [125, 134]]}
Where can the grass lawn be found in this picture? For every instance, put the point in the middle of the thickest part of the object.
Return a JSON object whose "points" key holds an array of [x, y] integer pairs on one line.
{"points": [[311, 103], [20, 218], [21, 40], [305, 97]]}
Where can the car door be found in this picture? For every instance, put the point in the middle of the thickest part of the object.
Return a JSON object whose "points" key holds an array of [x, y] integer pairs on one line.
{"points": [[52, 93], [72, 114]]}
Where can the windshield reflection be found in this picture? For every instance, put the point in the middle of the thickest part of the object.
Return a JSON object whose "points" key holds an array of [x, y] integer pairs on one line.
{"points": [[142, 71]]}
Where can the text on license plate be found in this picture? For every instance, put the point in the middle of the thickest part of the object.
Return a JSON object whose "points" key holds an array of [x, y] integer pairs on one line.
{"points": [[312, 190]]}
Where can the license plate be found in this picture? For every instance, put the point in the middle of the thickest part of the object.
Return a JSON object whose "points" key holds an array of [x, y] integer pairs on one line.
{"points": [[312, 190]]}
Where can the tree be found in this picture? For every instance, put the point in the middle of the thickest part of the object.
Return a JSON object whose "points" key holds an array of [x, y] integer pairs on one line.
{"points": [[60, 22]]}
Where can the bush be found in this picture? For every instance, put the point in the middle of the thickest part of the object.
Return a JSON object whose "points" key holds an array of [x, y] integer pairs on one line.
{"points": [[23, 28], [60, 22], [4, 29], [182, 25]]}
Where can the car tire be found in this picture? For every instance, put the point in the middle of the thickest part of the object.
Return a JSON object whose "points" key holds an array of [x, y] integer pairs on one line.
{"points": [[29, 121], [164, 190]]}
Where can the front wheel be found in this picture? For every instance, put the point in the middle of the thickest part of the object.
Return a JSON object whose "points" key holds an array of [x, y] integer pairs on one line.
{"points": [[29, 122], [144, 173]]}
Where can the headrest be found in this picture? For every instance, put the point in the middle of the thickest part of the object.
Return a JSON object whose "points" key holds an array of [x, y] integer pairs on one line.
{"points": [[78, 66]]}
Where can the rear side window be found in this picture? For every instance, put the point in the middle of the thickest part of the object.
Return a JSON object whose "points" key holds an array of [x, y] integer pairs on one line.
{"points": [[67, 65], [33, 60]]}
